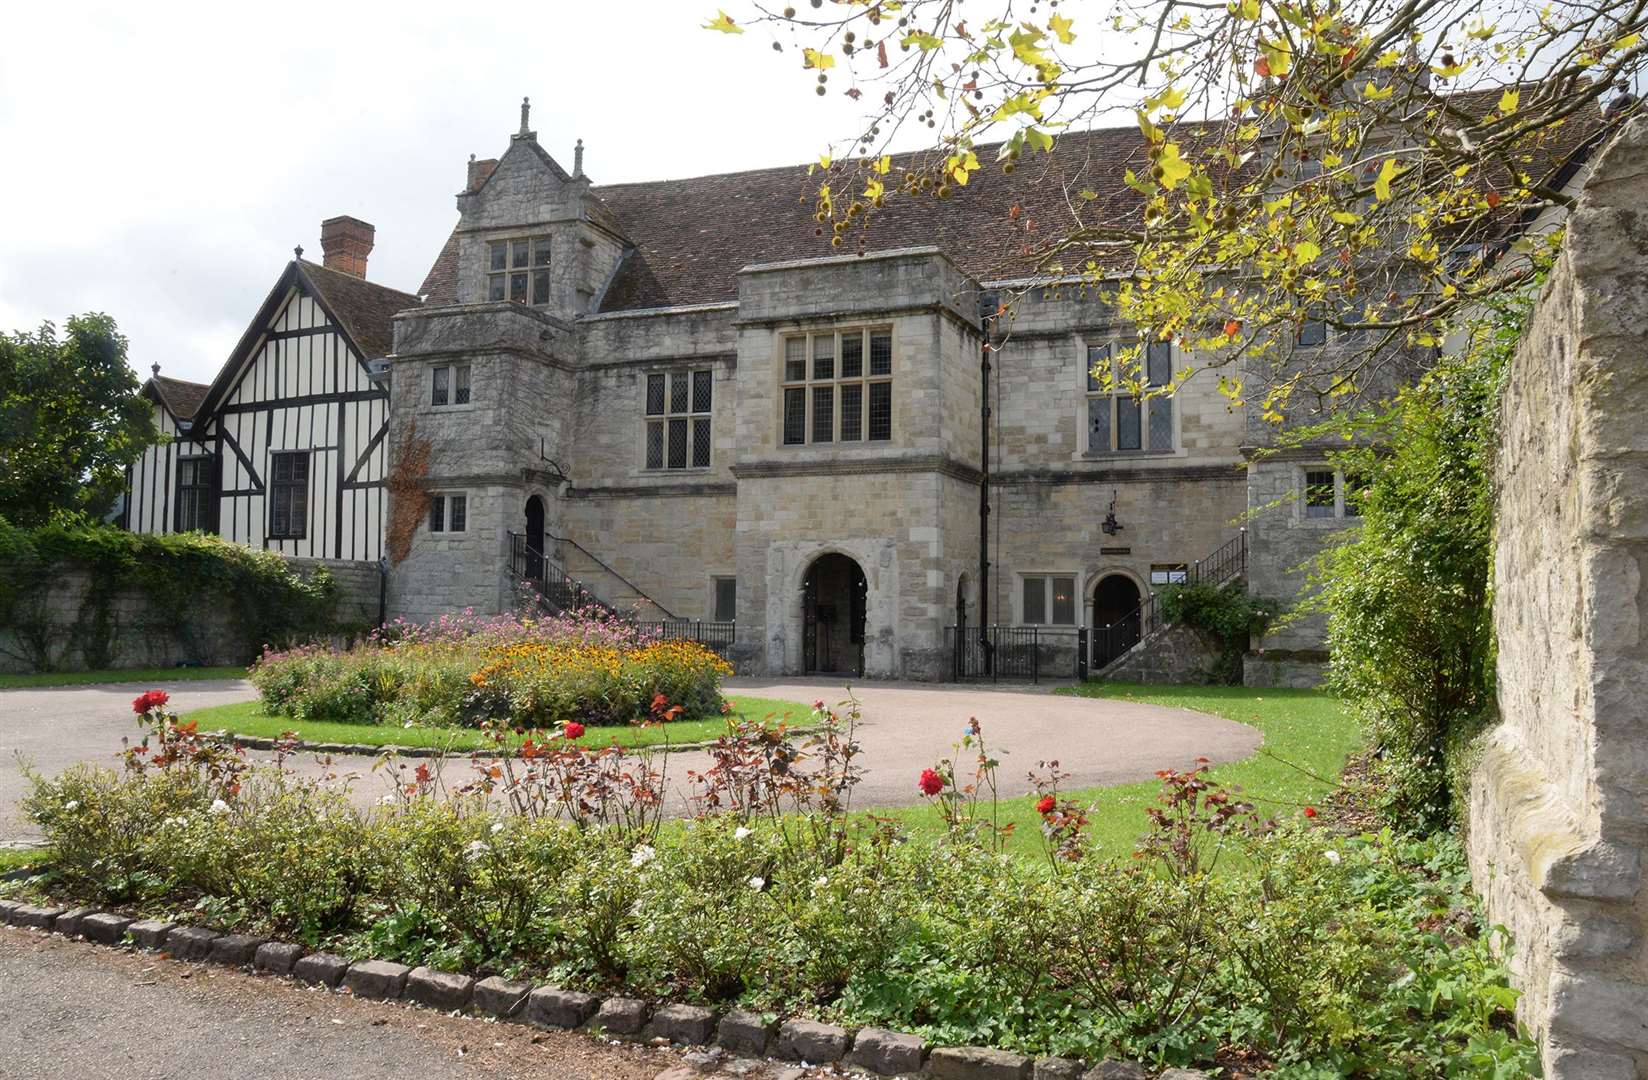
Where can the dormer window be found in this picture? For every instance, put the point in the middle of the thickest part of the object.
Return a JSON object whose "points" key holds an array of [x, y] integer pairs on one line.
{"points": [[518, 270]]}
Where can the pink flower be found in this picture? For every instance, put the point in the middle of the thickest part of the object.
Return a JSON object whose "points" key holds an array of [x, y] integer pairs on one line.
{"points": [[931, 783]]}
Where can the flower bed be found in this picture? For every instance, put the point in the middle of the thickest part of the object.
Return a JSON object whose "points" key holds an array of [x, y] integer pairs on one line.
{"points": [[1325, 954], [467, 671]]}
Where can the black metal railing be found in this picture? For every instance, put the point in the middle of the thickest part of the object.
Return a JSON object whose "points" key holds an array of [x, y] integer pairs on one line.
{"points": [[1114, 640], [1016, 652], [557, 590], [718, 637]]}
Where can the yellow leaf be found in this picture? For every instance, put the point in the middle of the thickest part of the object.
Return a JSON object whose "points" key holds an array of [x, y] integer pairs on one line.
{"points": [[1509, 100], [723, 22], [1174, 168], [1279, 55], [883, 164], [1382, 183], [1377, 93], [1061, 29], [1305, 251], [1627, 41], [1345, 217], [1171, 98], [873, 189], [1388, 59], [1250, 10], [812, 58]]}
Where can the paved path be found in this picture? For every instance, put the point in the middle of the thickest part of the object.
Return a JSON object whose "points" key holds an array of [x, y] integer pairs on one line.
{"points": [[69, 1009], [906, 727]]}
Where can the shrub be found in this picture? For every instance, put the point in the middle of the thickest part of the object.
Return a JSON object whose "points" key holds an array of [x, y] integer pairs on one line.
{"points": [[467, 671], [1319, 955], [1409, 593], [1225, 617]]}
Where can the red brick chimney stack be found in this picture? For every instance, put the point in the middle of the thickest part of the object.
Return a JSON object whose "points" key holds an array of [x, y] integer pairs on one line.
{"points": [[347, 241], [479, 171]]}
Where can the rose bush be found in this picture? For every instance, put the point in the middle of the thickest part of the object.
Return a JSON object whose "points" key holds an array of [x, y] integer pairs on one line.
{"points": [[1306, 953]]}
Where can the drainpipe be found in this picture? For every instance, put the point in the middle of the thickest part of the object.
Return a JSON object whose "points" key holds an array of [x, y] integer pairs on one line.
{"points": [[988, 303]]}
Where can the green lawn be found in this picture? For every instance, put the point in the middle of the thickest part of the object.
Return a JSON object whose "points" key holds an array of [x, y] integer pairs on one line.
{"points": [[23, 858], [248, 718], [158, 677], [1307, 735]]}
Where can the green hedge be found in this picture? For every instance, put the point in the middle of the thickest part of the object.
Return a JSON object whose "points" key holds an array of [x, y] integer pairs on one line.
{"points": [[179, 577]]}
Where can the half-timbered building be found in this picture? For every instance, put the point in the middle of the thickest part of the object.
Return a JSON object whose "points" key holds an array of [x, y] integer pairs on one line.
{"points": [[285, 449]]}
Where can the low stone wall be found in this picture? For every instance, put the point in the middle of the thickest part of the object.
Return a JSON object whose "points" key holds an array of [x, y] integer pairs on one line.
{"points": [[1301, 669], [1559, 799], [136, 633], [1175, 655]]}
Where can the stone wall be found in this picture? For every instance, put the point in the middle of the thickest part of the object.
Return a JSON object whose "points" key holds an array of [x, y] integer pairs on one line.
{"points": [[139, 633], [1559, 799], [1175, 655]]}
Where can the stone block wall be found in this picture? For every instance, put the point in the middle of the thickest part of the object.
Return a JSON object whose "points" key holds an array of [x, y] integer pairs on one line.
{"points": [[1559, 800], [141, 633]]}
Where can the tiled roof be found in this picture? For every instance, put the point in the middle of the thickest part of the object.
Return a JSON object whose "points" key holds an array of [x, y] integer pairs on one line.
{"points": [[180, 396], [440, 285], [692, 236], [364, 308]]}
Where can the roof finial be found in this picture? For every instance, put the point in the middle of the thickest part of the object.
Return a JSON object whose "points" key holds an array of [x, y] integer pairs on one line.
{"points": [[155, 367], [526, 107], [297, 252], [578, 159]]}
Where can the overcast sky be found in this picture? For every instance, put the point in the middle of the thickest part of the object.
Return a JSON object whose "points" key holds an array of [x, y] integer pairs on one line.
{"points": [[161, 159]]}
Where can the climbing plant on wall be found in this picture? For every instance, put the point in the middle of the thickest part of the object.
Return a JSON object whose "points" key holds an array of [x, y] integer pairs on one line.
{"points": [[66, 586]]}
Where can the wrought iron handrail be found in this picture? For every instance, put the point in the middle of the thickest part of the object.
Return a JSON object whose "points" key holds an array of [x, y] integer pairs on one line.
{"points": [[598, 561], [1226, 563], [560, 590]]}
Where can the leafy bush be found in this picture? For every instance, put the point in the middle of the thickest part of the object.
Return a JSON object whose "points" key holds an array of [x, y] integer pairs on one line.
{"points": [[1318, 954], [1225, 617], [1409, 593], [468, 672]]}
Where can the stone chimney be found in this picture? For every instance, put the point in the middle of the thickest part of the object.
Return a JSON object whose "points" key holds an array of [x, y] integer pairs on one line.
{"points": [[346, 241], [479, 171]]}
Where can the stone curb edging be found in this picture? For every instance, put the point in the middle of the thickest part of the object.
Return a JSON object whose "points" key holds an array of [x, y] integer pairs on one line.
{"points": [[261, 742], [737, 1031]]}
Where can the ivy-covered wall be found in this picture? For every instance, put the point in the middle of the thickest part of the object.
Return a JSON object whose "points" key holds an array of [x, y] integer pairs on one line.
{"points": [[80, 597]]}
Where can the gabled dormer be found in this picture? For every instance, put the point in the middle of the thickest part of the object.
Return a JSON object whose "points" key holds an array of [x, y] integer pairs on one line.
{"points": [[530, 233]]}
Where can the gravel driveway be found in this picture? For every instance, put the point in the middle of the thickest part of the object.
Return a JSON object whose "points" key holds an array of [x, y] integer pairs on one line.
{"points": [[906, 727]]}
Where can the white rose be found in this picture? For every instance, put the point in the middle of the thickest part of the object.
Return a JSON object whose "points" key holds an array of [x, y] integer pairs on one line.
{"points": [[757, 883], [642, 855], [497, 827], [219, 807], [72, 805], [475, 850], [740, 833], [821, 881], [1331, 856]]}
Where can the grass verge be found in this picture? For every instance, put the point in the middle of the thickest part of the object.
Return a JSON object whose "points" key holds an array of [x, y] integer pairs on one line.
{"points": [[1307, 736], [248, 718], [157, 676]]}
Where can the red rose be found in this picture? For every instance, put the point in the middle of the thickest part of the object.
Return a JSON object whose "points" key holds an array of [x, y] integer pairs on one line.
{"points": [[574, 730], [931, 783], [1310, 811], [1046, 805], [150, 699]]}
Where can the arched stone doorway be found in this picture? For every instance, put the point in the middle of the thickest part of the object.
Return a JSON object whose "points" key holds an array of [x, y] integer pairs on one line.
{"points": [[835, 596], [1115, 617], [535, 537]]}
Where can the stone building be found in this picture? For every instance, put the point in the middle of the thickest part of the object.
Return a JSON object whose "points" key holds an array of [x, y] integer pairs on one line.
{"points": [[680, 396]]}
